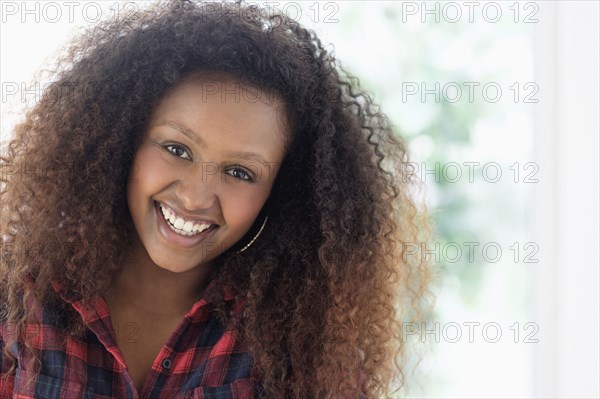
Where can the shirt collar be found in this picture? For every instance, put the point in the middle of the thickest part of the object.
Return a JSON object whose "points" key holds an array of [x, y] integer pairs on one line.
{"points": [[228, 294], [96, 315]]}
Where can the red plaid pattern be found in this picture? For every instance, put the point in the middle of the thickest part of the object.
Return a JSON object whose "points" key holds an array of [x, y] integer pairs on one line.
{"points": [[202, 360]]}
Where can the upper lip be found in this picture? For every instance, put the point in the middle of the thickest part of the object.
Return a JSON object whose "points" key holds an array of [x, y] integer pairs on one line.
{"points": [[185, 216]]}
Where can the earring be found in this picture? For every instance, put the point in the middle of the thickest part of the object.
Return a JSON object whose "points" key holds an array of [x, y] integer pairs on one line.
{"points": [[255, 237]]}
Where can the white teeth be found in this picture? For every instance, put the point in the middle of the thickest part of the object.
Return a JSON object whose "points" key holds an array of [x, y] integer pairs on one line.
{"points": [[181, 226], [179, 223]]}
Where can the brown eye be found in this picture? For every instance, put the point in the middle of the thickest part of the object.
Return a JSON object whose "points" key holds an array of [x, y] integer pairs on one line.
{"points": [[177, 150], [241, 174]]}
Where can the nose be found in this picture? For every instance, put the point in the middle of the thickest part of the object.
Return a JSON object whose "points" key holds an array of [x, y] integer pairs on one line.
{"points": [[198, 187]]}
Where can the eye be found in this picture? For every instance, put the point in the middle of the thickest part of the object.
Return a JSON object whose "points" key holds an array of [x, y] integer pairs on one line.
{"points": [[179, 150], [237, 172]]}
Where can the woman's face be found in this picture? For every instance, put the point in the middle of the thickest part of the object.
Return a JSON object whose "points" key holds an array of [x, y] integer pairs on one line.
{"points": [[209, 156]]}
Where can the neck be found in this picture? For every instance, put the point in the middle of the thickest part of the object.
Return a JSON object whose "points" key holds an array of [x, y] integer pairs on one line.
{"points": [[143, 286]]}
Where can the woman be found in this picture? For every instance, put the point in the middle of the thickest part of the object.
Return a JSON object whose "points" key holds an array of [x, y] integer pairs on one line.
{"points": [[221, 214]]}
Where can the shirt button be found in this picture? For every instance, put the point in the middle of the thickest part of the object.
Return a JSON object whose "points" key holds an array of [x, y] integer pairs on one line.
{"points": [[167, 363]]}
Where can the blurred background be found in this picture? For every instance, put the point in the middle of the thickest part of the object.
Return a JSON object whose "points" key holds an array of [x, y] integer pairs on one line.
{"points": [[498, 102]]}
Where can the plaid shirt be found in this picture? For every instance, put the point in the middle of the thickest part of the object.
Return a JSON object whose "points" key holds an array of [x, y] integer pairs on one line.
{"points": [[202, 360]]}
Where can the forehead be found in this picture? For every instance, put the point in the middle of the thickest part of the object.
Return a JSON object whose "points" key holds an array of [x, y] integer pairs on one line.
{"points": [[212, 87]]}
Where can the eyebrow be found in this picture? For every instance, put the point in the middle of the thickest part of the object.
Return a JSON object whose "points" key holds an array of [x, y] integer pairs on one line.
{"points": [[249, 156]]}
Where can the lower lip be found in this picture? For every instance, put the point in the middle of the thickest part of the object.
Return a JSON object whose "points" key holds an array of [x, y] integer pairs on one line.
{"points": [[177, 239]]}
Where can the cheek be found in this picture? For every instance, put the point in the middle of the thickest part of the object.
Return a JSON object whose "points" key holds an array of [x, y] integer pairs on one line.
{"points": [[145, 175], [241, 208]]}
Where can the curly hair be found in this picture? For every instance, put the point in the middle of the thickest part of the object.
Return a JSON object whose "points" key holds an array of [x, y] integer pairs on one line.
{"points": [[329, 283]]}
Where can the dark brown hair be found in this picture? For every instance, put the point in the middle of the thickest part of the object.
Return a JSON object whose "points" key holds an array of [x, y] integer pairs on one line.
{"points": [[328, 283]]}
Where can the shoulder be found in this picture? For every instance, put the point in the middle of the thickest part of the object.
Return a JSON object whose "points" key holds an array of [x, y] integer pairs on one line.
{"points": [[50, 322]]}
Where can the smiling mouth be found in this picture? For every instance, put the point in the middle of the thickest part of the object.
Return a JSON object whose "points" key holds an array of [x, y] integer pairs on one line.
{"points": [[182, 227]]}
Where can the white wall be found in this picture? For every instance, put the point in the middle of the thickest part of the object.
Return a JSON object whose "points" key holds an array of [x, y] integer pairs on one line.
{"points": [[567, 130]]}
